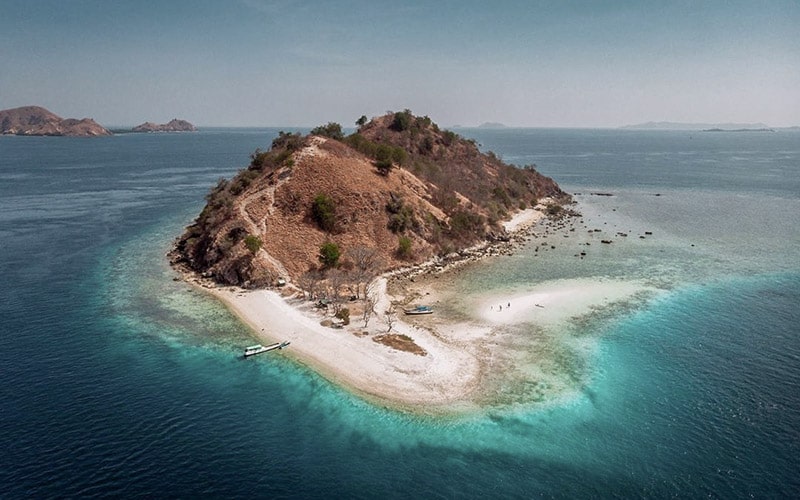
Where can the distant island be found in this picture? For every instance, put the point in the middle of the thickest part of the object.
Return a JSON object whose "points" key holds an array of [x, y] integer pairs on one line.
{"points": [[739, 130], [174, 125], [493, 125], [35, 120], [695, 126]]}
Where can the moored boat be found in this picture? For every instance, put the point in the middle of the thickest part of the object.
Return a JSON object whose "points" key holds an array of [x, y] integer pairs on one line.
{"points": [[258, 348], [419, 310]]}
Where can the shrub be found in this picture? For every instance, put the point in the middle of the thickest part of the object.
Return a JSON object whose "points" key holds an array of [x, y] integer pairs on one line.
{"points": [[332, 130], [426, 146], [344, 315], [361, 121], [449, 137], [502, 196], [329, 254], [404, 247], [401, 216], [402, 121], [259, 159], [289, 141], [399, 155], [462, 222], [383, 159], [253, 243], [323, 211]]}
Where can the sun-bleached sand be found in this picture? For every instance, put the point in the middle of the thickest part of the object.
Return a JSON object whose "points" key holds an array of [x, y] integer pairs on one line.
{"points": [[553, 302], [445, 376]]}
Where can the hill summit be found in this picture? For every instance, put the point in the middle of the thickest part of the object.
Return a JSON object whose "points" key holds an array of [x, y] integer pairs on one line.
{"points": [[398, 191], [35, 120]]}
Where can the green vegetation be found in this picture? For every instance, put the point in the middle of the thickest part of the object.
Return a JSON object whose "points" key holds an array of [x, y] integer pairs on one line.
{"points": [[361, 121], [383, 159], [401, 216], [289, 141], [402, 121], [404, 247], [323, 211], [329, 254], [385, 155], [344, 315], [279, 154], [253, 243], [332, 130], [463, 224]]}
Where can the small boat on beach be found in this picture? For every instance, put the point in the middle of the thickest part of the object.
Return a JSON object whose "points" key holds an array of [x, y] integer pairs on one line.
{"points": [[258, 348], [419, 310]]}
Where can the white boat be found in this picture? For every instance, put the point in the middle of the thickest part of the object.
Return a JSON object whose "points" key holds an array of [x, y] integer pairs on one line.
{"points": [[258, 348]]}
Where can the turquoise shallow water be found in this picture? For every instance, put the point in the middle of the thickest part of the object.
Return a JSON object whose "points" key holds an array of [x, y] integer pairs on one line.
{"points": [[119, 381]]}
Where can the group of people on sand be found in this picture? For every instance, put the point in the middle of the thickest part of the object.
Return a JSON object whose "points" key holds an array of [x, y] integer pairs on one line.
{"points": [[508, 305]]}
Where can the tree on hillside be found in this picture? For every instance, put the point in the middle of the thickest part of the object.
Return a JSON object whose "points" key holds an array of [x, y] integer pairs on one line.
{"points": [[361, 121], [332, 130], [323, 211], [329, 255], [383, 159], [402, 121], [253, 243]]}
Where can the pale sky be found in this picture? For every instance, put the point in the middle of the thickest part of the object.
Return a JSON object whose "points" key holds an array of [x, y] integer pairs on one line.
{"points": [[558, 63]]}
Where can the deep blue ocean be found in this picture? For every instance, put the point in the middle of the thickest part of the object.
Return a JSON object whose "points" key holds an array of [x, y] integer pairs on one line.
{"points": [[118, 381]]}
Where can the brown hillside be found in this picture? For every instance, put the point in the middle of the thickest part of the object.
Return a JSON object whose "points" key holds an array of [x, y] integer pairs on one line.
{"points": [[262, 224]]}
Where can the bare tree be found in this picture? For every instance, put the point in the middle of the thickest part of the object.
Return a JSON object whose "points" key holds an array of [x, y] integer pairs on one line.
{"points": [[366, 263], [336, 281], [309, 281], [391, 317], [369, 307]]}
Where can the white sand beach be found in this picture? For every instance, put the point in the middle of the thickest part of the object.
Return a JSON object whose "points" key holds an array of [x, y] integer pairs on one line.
{"points": [[449, 374]]}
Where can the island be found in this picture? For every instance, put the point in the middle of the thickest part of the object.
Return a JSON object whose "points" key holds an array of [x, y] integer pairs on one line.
{"points": [[38, 121], [492, 125], [315, 242], [174, 125]]}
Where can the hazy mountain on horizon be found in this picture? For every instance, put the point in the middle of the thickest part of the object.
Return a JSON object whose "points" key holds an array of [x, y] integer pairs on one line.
{"points": [[694, 126]]}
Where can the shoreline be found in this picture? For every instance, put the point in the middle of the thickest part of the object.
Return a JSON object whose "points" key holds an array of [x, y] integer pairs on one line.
{"points": [[457, 356]]}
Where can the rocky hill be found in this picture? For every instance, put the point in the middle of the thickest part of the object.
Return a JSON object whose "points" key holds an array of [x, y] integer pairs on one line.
{"points": [[174, 125], [35, 120], [398, 191]]}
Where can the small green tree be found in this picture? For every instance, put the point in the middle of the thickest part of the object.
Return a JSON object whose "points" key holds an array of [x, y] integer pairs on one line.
{"points": [[332, 130], [329, 255], [383, 159], [402, 121], [323, 211], [399, 155], [404, 247], [253, 243], [361, 121]]}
